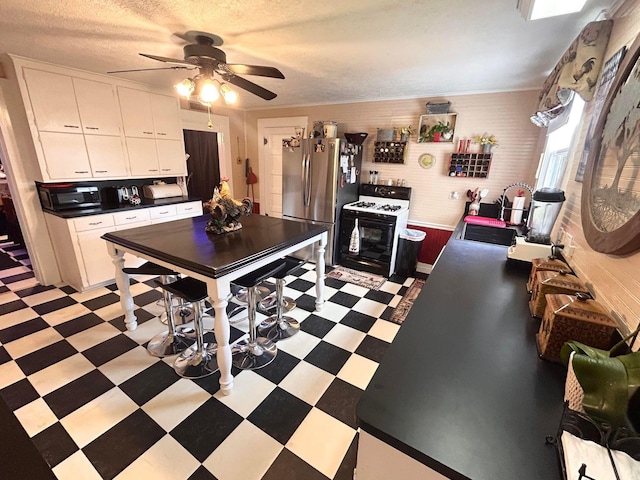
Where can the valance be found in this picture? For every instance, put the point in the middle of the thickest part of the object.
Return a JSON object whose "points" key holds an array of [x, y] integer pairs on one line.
{"points": [[576, 72]]}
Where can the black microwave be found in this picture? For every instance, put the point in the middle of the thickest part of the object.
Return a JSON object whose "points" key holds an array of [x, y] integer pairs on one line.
{"points": [[67, 196]]}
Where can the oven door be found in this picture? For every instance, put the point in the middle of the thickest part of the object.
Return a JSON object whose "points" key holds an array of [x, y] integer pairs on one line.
{"points": [[376, 241]]}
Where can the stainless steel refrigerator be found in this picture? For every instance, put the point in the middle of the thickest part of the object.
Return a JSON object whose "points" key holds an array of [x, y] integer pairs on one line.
{"points": [[319, 176]]}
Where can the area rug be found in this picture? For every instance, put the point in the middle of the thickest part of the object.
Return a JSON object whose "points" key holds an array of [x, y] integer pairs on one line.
{"points": [[362, 279], [401, 311]]}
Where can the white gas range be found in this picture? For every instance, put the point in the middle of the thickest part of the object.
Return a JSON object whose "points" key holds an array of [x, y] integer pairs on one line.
{"points": [[382, 213]]}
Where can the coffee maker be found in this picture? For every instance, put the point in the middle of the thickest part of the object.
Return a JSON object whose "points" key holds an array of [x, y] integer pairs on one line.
{"points": [[546, 204]]}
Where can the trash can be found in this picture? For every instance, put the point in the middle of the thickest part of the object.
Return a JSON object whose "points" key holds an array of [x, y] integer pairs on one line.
{"points": [[409, 245]]}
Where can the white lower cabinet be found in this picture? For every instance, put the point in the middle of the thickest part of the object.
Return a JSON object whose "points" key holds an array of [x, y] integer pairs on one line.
{"points": [[82, 255]]}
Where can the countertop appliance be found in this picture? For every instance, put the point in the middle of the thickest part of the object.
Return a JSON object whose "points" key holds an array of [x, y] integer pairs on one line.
{"points": [[319, 176], [67, 196], [545, 207], [382, 213], [166, 190]]}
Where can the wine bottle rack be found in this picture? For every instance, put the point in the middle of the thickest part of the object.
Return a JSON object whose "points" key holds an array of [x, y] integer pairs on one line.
{"points": [[390, 152], [470, 165]]}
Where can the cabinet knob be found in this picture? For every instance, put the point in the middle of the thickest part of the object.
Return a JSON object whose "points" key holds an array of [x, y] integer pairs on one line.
{"points": [[71, 126], [153, 169], [161, 133], [166, 169], [102, 171], [148, 133], [92, 128], [95, 223], [80, 171]]}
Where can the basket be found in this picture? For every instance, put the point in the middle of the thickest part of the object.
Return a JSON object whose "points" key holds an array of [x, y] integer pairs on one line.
{"points": [[438, 108]]}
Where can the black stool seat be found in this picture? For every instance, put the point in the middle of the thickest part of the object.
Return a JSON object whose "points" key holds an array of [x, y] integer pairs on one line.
{"points": [[257, 276], [290, 266], [188, 288], [149, 268]]}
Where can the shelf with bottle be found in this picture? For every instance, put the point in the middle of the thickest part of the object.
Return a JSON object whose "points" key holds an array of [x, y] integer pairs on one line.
{"points": [[390, 152], [470, 165], [436, 128]]}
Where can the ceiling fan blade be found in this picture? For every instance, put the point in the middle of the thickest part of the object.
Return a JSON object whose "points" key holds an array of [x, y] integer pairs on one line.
{"points": [[175, 61], [148, 69], [240, 69], [251, 87]]}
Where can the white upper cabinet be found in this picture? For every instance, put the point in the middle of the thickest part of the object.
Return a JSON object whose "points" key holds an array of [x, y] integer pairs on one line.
{"points": [[137, 117], [166, 117], [85, 126], [171, 158], [98, 106], [53, 101]]}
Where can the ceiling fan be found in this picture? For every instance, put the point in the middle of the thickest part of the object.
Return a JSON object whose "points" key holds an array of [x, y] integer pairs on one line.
{"points": [[202, 54]]}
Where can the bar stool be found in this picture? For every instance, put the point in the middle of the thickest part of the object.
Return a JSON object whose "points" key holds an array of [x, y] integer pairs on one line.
{"points": [[255, 352], [279, 327], [174, 340], [199, 360]]}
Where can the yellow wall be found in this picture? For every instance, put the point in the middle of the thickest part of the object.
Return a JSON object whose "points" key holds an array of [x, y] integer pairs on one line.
{"points": [[615, 280]]}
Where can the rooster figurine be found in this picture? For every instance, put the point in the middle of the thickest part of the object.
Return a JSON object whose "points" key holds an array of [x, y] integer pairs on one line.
{"points": [[226, 211]]}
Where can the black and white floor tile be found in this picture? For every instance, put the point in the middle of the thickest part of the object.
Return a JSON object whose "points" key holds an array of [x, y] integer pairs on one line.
{"points": [[97, 405]]}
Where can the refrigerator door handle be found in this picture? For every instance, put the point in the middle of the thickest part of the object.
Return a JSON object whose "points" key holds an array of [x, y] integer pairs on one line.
{"points": [[307, 181]]}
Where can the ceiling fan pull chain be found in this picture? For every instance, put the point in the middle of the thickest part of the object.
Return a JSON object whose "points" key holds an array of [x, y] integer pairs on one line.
{"points": [[210, 123]]}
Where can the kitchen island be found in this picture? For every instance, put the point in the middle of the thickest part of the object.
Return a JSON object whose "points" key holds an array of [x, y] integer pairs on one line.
{"points": [[461, 393], [185, 247]]}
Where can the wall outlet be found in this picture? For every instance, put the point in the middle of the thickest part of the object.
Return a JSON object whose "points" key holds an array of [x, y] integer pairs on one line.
{"points": [[568, 240], [454, 195]]}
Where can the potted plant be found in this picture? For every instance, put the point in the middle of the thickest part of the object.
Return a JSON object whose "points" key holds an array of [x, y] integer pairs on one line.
{"points": [[406, 132], [486, 142], [439, 129]]}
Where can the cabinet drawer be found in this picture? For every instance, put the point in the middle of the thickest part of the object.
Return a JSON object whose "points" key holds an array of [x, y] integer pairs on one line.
{"points": [[159, 213], [131, 216], [189, 209], [92, 222]]}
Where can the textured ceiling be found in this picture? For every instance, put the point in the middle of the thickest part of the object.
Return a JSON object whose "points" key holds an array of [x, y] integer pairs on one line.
{"points": [[329, 52]]}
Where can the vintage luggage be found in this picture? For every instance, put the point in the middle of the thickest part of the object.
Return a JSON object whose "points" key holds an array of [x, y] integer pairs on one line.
{"points": [[542, 264], [574, 317], [548, 282]]}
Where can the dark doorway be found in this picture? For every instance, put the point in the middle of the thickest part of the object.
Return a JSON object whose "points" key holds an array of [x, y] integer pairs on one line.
{"points": [[203, 164]]}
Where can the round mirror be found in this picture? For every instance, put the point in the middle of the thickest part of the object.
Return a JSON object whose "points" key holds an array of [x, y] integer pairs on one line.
{"points": [[611, 190]]}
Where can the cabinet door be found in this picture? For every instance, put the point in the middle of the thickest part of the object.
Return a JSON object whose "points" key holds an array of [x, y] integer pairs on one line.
{"points": [[96, 260], [135, 107], [53, 101], [143, 157], [99, 110], [106, 156], [171, 157], [65, 155], [166, 117]]}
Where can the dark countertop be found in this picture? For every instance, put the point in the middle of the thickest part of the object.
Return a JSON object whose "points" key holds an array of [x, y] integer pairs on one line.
{"points": [[461, 388], [146, 203], [187, 244]]}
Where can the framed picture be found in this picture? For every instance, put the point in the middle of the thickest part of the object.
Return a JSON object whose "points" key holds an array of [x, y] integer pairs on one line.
{"points": [[606, 79], [611, 190]]}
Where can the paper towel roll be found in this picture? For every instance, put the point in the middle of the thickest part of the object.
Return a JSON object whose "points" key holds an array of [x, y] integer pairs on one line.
{"points": [[516, 210]]}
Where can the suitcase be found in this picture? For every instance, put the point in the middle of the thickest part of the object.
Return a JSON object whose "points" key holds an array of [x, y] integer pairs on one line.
{"points": [[548, 282], [574, 317]]}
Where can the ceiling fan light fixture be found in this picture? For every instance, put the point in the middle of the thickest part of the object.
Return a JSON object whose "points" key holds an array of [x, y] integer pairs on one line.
{"points": [[208, 91], [230, 96], [185, 87]]}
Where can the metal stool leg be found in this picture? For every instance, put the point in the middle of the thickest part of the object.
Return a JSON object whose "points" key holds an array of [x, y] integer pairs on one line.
{"points": [[256, 352], [199, 360], [174, 340], [278, 326]]}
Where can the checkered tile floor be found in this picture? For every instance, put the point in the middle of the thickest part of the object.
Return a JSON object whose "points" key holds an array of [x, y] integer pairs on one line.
{"points": [[96, 405]]}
